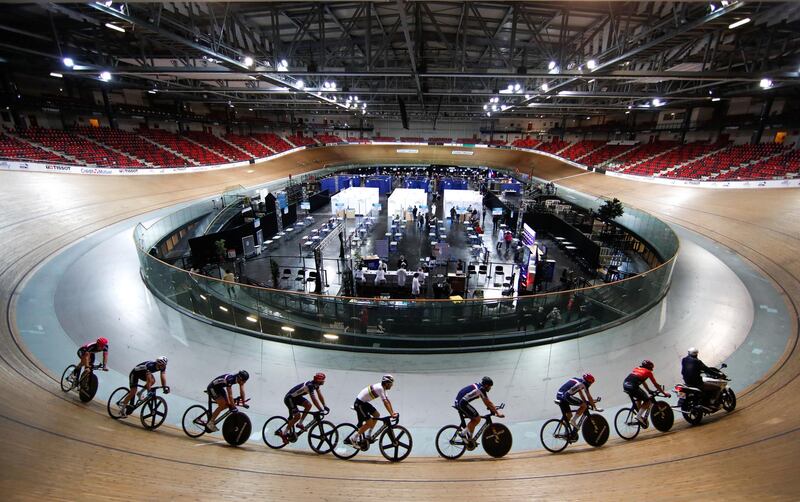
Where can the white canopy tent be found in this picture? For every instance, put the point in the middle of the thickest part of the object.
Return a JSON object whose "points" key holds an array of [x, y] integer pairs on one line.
{"points": [[404, 198], [461, 200], [359, 199]]}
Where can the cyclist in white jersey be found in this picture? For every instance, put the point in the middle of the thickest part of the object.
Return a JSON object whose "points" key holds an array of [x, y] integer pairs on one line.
{"points": [[366, 413]]}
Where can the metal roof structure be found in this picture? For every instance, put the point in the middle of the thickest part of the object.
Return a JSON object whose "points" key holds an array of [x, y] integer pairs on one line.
{"points": [[442, 59]]}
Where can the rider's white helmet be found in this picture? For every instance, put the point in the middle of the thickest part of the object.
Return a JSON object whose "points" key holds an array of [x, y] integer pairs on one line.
{"points": [[693, 351]]}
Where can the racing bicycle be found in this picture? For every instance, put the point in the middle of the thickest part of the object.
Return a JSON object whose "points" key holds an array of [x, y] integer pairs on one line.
{"points": [[495, 438]]}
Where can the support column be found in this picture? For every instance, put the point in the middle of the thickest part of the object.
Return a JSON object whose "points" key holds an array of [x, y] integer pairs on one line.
{"points": [[762, 119], [107, 105]]}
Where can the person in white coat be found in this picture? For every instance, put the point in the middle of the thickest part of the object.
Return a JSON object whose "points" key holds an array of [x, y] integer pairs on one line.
{"points": [[415, 285], [380, 276], [401, 277]]}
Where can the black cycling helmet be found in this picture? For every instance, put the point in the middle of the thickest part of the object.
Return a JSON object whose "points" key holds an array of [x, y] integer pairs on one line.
{"points": [[647, 363], [244, 375], [487, 382]]}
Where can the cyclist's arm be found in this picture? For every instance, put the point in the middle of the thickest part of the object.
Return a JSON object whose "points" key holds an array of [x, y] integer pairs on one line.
{"points": [[490, 405], [241, 394], [148, 381], [105, 359], [163, 378], [586, 396], [321, 400], [229, 393], [388, 405], [316, 401]]}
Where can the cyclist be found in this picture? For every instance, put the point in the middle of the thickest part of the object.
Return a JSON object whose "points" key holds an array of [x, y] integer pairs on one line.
{"points": [[220, 391], [366, 413], [471, 393], [144, 371], [566, 396], [294, 399], [631, 386], [86, 355]]}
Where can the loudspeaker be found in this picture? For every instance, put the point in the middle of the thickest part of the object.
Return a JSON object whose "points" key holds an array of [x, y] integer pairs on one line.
{"points": [[403, 114]]}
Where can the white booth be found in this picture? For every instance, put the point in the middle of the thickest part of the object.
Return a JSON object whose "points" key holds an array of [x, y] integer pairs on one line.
{"points": [[404, 198], [461, 200], [361, 200]]}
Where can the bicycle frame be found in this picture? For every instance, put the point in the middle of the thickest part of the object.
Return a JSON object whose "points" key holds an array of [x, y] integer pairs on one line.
{"points": [[317, 419], [227, 411], [139, 402]]}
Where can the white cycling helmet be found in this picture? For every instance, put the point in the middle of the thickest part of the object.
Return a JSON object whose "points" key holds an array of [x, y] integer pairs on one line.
{"points": [[693, 351], [162, 361], [387, 379]]}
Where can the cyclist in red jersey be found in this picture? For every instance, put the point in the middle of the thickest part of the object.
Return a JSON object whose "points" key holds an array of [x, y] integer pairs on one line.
{"points": [[632, 386]]}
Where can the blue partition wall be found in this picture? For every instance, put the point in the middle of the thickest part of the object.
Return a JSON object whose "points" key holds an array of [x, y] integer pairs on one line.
{"points": [[453, 184], [417, 182], [382, 182]]}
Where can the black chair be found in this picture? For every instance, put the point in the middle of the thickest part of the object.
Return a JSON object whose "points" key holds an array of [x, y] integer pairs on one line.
{"points": [[470, 270], [287, 273], [499, 275]]}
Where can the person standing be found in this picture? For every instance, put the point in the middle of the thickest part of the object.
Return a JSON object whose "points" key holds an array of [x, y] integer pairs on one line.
{"points": [[415, 286], [508, 238], [230, 279], [401, 277], [453, 214], [414, 212]]}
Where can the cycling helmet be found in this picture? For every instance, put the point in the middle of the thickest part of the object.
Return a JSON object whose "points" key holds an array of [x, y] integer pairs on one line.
{"points": [[243, 375], [647, 363], [102, 342], [387, 379], [693, 351], [319, 378], [162, 361], [487, 382], [588, 378]]}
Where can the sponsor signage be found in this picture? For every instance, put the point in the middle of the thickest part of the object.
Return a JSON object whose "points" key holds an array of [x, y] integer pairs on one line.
{"points": [[462, 152], [407, 150]]}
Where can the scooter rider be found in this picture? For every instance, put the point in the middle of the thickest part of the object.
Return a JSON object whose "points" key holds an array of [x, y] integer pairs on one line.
{"points": [[692, 369]]}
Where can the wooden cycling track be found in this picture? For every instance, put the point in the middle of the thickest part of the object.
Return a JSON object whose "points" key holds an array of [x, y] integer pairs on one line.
{"points": [[53, 447]]}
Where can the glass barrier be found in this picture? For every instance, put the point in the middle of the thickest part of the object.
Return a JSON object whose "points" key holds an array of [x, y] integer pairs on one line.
{"points": [[415, 326]]}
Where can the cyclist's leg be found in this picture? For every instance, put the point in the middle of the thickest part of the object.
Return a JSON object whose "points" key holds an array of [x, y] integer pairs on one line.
{"points": [[369, 415], [294, 413], [133, 380], [581, 410], [471, 413], [566, 411], [220, 396], [306, 407]]}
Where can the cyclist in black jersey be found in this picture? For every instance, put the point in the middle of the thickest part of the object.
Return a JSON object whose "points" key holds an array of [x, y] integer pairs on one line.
{"points": [[294, 400], [144, 371], [220, 391]]}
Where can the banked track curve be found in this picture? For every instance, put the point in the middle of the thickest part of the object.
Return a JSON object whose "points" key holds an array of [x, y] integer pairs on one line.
{"points": [[54, 448]]}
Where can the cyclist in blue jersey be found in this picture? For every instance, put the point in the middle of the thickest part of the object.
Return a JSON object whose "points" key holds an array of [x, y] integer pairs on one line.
{"points": [[566, 396], [144, 371], [471, 393], [294, 399], [220, 391]]}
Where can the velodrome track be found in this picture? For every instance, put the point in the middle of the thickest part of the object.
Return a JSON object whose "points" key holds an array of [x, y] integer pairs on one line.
{"points": [[55, 448]]}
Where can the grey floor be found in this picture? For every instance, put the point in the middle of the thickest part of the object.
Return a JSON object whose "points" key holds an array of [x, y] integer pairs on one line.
{"points": [[93, 288]]}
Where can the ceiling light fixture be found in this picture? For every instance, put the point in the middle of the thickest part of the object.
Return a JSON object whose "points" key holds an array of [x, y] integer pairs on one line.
{"points": [[68, 62], [115, 27], [331, 336], [738, 23], [715, 99], [105, 76], [765, 83], [591, 64], [57, 75], [545, 87], [551, 65], [248, 61], [300, 84]]}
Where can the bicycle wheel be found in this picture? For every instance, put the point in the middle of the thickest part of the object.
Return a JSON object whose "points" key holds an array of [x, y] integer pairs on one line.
{"points": [[595, 430], [236, 428], [449, 444], [322, 438], [194, 420], [346, 433], [88, 387], [113, 402], [68, 378], [269, 433], [662, 416], [153, 413], [626, 424], [554, 435], [395, 443], [496, 440]]}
